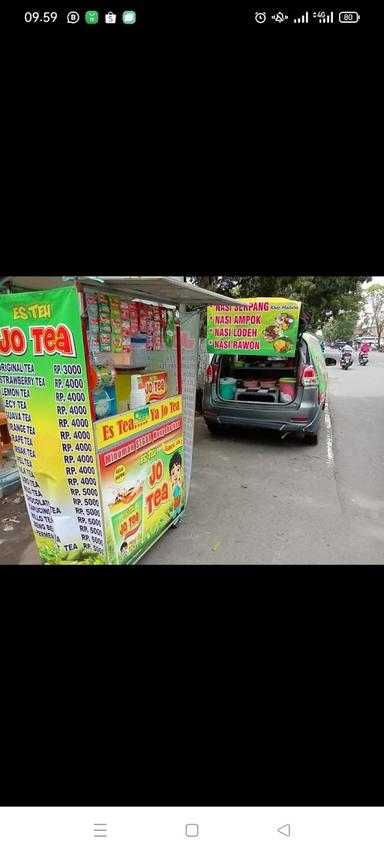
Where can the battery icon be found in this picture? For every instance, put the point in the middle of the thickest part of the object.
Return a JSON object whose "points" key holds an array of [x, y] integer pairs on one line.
{"points": [[349, 17]]}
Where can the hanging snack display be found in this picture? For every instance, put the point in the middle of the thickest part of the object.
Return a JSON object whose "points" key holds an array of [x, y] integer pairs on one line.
{"points": [[93, 322], [105, 327], [163, 323], [133, 313], [150, 327], [117, 329], [156, 328], [143, 311], [169, 329], [125, 325], [118, 326]]}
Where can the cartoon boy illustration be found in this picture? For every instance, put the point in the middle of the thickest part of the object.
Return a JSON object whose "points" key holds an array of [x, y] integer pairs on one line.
{"points": [[175, 465], [123, 551]]}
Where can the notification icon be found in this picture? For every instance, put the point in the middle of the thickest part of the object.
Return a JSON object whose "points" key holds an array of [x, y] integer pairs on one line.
{"points": [[129, 17], [91, 17]]}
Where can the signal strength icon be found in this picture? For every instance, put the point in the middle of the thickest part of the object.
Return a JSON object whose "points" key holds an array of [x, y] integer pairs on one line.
{"points": [[323, 18], [302, 20]]}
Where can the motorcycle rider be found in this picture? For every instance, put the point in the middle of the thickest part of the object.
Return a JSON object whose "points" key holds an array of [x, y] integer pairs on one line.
{"points": [[365, 347], [347, 350]]}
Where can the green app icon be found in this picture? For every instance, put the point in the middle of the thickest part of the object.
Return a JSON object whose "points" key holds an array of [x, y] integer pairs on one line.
{"points": [[91, 17], [129, 17]]}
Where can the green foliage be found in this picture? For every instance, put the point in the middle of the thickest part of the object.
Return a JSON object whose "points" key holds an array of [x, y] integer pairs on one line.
{"points": [[319, 294], [339, 294], [375, 294], [342, 328], [54, 555]]}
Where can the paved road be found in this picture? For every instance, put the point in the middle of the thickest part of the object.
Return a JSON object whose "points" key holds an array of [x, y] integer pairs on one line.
{"points": [[357, 412], [258, 500]]}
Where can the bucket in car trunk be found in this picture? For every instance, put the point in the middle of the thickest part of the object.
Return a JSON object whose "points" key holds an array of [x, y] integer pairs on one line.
{"points": [[287, 389], [227, 388]]}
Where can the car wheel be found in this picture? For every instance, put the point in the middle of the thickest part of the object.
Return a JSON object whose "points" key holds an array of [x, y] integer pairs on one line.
{"points": [[215, 429], [311, 438]]}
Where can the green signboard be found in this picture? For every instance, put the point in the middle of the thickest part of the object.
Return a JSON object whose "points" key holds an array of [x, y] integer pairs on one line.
{"points": [[265, 327]]}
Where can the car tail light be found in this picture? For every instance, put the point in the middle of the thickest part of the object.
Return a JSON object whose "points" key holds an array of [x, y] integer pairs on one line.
{"points": [[309, 377], [212, 372], [299, 419]]}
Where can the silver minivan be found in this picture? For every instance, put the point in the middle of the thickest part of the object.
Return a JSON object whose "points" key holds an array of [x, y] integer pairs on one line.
{"points": [[287, 395]]}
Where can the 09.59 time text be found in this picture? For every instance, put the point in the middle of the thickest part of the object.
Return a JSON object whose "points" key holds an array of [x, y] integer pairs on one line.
{"points": [[44, 17]]}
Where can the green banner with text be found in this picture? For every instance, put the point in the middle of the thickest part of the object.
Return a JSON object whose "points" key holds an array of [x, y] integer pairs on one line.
{"points": [[265, 327], [44, 386]]}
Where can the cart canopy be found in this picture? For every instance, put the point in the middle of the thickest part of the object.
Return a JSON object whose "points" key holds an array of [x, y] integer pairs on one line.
{"points": [[156, 289]]}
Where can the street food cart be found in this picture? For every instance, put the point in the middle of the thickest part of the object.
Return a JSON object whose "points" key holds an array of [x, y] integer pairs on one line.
{"points": [[98, 379]]}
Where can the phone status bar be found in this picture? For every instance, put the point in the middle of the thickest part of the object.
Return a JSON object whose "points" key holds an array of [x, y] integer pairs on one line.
{"points": [[313, 17], [148, 15]]}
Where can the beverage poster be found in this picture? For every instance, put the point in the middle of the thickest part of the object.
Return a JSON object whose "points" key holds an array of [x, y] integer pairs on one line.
{"points": [[44, 387], [142, 479]]}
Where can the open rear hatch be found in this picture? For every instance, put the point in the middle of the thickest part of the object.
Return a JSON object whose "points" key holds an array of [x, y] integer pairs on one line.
{"points": [[257, 379]]}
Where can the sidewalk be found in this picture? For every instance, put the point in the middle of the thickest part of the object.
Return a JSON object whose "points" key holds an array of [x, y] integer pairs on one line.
{"points": [[16, 538]]}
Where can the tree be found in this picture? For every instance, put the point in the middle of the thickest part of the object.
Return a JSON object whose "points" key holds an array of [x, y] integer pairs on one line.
{"points": [[319, 294], [338, 294], [375, 294], [207, 282], [365, 324], [342, 327]]}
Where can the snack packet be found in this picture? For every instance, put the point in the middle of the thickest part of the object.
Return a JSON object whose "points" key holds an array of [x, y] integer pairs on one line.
{"points": [[105, 341], [143, 312], [134, 317], [125, 311], [103, 300]]}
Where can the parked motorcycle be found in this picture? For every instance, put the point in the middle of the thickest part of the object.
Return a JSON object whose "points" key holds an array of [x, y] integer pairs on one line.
{"points": [[346, 361], [363, 358]]}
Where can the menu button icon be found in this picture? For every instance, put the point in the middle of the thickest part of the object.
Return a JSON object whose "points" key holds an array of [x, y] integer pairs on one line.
{"points": [[100, 829]]}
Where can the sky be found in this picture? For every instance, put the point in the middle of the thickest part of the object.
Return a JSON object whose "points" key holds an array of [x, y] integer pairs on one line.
{"points": [[377, 280]]}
